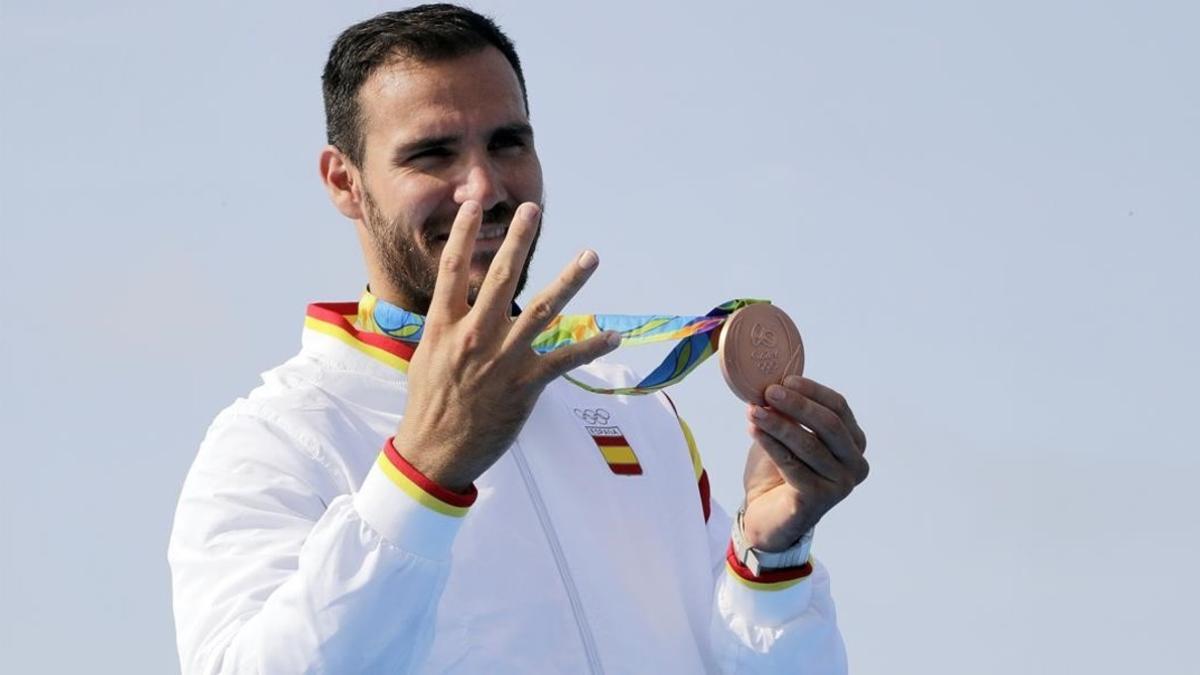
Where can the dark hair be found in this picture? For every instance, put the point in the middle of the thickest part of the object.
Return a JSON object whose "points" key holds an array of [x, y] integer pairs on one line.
{"points": [[425, 33]]}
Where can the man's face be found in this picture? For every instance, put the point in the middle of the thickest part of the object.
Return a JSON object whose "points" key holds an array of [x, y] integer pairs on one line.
{"points": [[437, 135]]}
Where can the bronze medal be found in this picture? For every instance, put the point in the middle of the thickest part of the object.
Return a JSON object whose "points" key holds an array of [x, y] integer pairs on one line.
{"points": [[759, 346]]}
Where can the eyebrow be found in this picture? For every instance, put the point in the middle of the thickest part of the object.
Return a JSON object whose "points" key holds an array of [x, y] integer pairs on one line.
{"points": [[405, 149], [515, 129], [522, 129]]}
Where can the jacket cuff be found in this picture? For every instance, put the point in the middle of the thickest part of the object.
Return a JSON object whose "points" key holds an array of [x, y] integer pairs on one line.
{"points": [[409, 510], [768, 599]]}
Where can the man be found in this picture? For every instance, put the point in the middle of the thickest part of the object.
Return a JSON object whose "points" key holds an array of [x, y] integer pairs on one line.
{"points": [[498, 530]]}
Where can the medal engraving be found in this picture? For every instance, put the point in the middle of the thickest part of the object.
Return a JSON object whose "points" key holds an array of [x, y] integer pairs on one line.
{"points": [[760, 336]]}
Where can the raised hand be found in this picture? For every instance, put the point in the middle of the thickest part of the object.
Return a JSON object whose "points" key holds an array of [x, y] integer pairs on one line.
{"points": [[807, 456], [474, 379]]}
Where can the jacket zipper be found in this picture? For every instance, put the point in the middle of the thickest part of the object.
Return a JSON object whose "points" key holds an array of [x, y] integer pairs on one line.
{"points": [[560, 560]]}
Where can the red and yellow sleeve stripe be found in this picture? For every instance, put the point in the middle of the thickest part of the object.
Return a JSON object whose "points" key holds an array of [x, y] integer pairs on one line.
{"points": [[774, 580], [422, 490]]}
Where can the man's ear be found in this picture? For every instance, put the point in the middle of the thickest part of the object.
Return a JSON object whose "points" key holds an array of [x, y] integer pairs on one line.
{"points": [[342, 181]]}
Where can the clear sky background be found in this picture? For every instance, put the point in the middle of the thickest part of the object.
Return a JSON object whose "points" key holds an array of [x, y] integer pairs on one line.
{"points": [[983, 217]]}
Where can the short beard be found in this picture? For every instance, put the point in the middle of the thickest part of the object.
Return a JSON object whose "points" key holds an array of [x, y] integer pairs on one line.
{"points": [[409, 262]]}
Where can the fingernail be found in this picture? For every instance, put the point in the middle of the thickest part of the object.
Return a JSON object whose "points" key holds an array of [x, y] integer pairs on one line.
{"points": [[775, 392], [793, 381], [588, 259], [758, 412], [471, 207], [613, 338], [530, 209]]}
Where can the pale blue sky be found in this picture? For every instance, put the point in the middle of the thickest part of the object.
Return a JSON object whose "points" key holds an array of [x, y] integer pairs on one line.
{"points": [[983, 217]]}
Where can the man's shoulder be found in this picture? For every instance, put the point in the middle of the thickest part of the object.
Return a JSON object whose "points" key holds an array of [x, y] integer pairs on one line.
{"points": [[317, 380], [287, 395], [304, 409], [284, 392]]}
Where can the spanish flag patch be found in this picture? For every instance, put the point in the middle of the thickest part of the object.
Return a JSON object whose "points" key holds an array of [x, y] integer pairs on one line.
{"points": [[615, 450]]}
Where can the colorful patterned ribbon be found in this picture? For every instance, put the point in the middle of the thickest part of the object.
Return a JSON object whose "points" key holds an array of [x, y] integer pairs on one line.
{"points": [[697, 336]]}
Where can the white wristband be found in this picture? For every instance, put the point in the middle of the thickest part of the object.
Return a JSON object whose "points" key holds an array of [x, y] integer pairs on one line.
{"points": [[764, 561]]}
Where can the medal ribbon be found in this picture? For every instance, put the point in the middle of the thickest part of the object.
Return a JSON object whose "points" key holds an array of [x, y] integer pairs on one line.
{"points": [[697, 336]]}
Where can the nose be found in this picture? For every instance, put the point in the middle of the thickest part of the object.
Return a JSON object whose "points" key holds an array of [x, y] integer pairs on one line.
{"points": [[481, 182]]}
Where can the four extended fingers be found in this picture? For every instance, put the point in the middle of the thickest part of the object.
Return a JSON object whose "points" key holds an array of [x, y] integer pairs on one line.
{"points": [[496, 293]]}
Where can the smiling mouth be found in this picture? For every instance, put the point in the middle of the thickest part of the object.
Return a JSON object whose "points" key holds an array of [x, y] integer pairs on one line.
{"points": [[491, 232], [486, 233]]}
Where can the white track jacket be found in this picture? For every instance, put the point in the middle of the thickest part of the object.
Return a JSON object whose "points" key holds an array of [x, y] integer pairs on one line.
{"points": [[591, 546]]}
